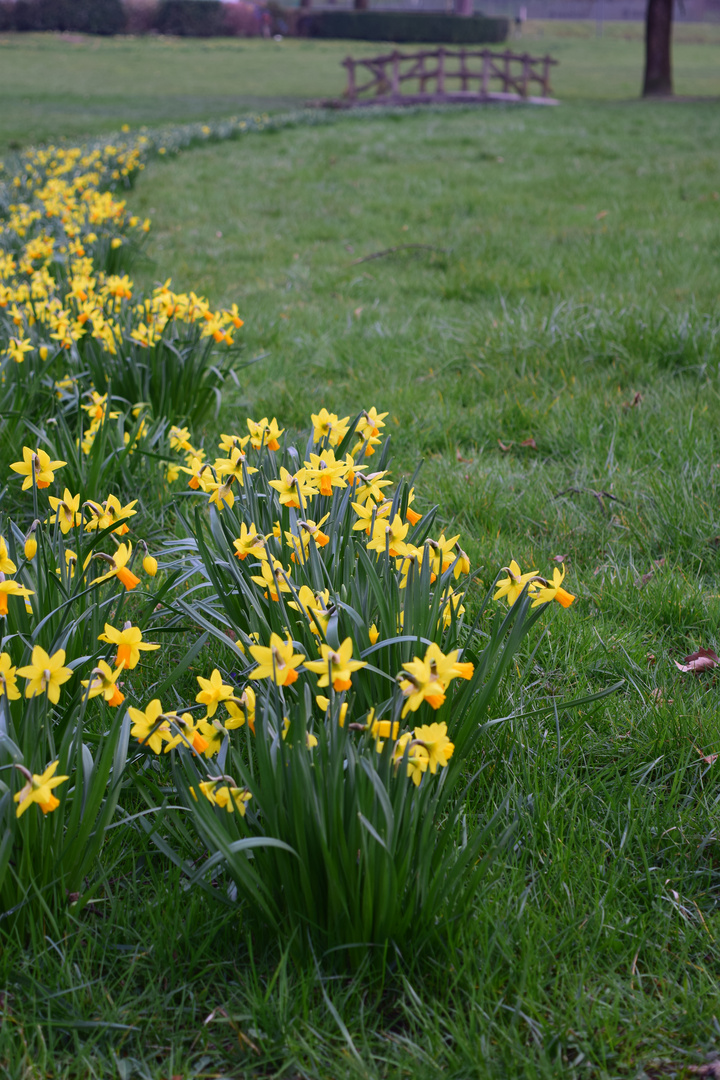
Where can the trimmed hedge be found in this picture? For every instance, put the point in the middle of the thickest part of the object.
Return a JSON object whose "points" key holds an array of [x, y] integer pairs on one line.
{"points": [[404, 27], [191, 18], [76, 16]]}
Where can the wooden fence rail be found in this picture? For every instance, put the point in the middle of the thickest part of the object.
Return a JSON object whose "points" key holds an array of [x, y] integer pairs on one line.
{"points": [[433, 70]]}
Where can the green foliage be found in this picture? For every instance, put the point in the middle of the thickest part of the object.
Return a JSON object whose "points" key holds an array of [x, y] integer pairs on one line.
{"points": [[77, 16], [404, 27], [191, 18]]}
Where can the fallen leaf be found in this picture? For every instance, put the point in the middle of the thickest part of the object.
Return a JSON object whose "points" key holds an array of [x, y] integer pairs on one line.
{"points": [[530, 443], [659, 562], [645, 578], [635, 401], [358, 312], [503, 446], [459, 457], [659, 698], [709, 758], [702, 660], [601, 215], [560, 558], [652, 660]]}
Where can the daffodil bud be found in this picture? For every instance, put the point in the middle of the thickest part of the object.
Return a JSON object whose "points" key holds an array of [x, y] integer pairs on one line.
{"points": [[150, 565], [44, 352], [30, 547]]}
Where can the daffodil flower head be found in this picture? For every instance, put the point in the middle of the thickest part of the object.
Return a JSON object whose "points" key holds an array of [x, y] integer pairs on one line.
{"points": [[39, 789], [45, 674], [511, 587], [553, 591], [278, 661], [37, 468], [336, 666]]}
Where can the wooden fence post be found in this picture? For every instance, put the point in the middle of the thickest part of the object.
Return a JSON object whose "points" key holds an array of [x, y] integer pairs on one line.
{"points": [[441, 72], [395, 85], [463, 71], [349, 63], [485, 72], [525, 74]]}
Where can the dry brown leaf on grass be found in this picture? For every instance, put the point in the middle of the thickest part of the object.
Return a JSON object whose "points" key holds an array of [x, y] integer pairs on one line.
{"points": [[503, 446], [530, 443], [659, 698], [460, 458], [560, 558], [702, 660], [601, 215], [711, 1071], [709, 758], [635, 401]]}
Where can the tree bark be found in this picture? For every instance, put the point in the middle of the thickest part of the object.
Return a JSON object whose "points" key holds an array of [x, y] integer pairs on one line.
{"points": [[658, 35]]}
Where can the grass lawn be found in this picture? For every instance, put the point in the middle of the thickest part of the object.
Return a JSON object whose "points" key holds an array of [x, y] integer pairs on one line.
{"points": [[53, 86], [567, 292]]}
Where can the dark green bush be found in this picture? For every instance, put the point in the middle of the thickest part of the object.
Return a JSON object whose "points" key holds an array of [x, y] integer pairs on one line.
{"points": [[191, 18], [402, 26], [77, 16], [7, 16]]}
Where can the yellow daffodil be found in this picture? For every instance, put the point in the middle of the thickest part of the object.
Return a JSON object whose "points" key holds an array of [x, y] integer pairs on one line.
{"points": [[274, 577], [553, 591], [213, 691], [36, 467], [8, 678], [326, 425], [418, 758], [10, 587], [120, 568], [187, 734], [315, 606], [151, 728], [104, 681], [512, 586], [293, 488], [45, 674], [435, 740], [336, 666], [276, 661], [250, 542], [105, 514], [129, 643], [390, 537], [7, 566], [241, 709], [264, 433], [326, 472], [38, 789], [67, 511]]}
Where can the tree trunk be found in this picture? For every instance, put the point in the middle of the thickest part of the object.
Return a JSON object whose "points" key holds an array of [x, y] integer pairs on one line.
{"points": [[658, 34]]}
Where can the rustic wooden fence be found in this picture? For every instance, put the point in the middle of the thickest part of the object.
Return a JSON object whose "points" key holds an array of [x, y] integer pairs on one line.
{"points": [[447, 75]]}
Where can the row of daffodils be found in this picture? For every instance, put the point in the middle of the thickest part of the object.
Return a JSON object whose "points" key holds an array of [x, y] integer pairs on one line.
{"points": [[319, 771]]}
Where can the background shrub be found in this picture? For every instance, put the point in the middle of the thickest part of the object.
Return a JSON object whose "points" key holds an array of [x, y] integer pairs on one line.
{"points": [[140, 16], [78, 16], [191, 18], [404, 26]]}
